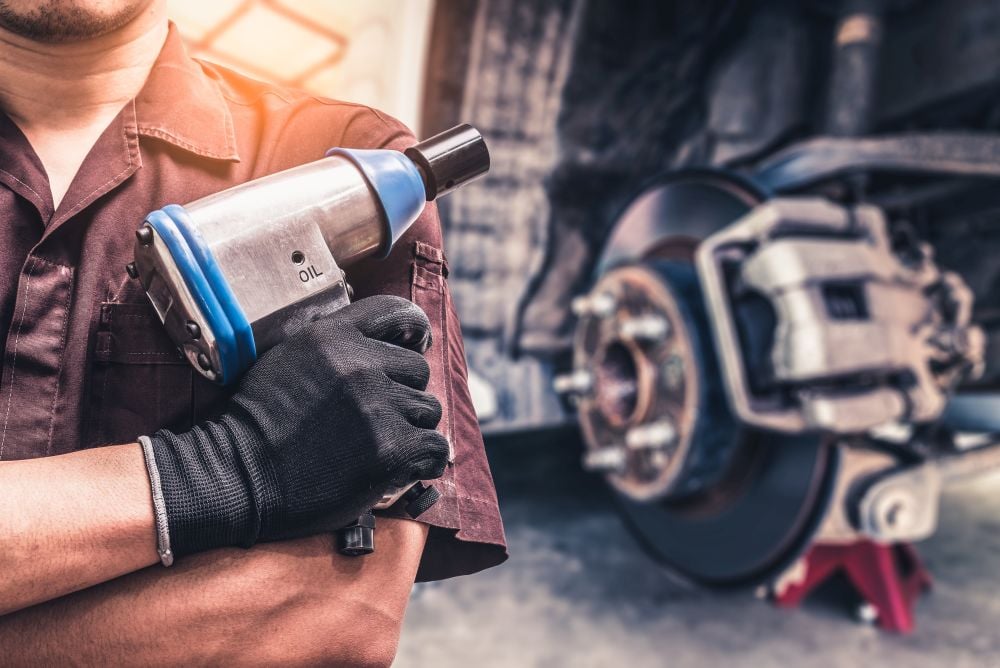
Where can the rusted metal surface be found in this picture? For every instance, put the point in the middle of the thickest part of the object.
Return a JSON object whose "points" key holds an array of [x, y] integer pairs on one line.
{"points": [[644, 398]]}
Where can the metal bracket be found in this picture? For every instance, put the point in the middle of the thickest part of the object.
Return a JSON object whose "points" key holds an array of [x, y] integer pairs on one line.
{"points": [[902, 506], [823, 158]]}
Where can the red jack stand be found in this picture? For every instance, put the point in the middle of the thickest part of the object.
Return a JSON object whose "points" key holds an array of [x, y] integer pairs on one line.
{"points": [[890, 578]]}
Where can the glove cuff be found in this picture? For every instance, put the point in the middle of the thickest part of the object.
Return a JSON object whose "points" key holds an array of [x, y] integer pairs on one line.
{"points": [[206, 500], [159, 506]]}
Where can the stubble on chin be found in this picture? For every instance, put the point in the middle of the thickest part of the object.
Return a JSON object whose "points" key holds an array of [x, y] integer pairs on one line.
{"points": [[61, 21]]}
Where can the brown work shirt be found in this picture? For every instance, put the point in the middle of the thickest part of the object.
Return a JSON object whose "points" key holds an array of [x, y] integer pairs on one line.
{"points": [[87, 363]]}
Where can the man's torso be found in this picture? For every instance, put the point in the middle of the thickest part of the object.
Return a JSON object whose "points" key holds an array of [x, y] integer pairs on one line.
{"points": [[86, 361]]}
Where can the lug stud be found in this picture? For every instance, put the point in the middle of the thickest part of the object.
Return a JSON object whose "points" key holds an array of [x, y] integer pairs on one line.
{"points": [[651, 328], [605, 460], [601, 305], [652, 436], [193, 330], [132, 270], [579, 381]]}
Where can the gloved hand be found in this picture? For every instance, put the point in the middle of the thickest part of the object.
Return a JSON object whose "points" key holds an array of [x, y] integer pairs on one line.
{"points": [[320, 427]]}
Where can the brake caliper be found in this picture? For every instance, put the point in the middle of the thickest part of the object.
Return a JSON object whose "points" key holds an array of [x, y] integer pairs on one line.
{"points": [[821, 324]]}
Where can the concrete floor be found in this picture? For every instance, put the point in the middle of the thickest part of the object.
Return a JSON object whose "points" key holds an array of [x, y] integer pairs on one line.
{"points": [[578, 591]]}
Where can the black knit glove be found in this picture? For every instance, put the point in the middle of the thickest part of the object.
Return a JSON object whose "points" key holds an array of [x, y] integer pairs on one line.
{"points": [[320, 427]]}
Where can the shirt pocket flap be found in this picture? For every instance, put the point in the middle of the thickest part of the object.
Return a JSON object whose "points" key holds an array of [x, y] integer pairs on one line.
{"points": [[133, 334]]}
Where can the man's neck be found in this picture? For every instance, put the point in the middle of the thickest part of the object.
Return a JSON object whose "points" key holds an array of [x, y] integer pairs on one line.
{"points": [[63, 96], [65, 85]]}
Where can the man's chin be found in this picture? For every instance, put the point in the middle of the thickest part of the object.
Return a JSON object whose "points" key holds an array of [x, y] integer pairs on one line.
{"points": [[65, 21]]}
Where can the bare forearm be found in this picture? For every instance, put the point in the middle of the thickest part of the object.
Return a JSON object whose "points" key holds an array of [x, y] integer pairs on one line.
{"points": [[72, 521], [292, 602]]}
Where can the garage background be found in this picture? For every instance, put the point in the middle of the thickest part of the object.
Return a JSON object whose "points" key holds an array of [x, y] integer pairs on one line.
{"points": [[580, 101]]}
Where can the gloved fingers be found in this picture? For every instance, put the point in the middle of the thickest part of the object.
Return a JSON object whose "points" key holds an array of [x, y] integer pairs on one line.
{"points": [[391, 319], [421, 409], [402, 365], [429, 458]]}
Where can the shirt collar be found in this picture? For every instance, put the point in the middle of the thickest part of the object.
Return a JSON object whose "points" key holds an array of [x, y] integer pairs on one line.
{"points": [[181, 105]]}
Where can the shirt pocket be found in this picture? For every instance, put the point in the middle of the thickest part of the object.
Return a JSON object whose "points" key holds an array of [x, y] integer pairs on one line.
{"points": [[139, 381]]}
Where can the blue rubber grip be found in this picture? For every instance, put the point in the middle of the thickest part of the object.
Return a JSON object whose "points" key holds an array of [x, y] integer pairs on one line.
{"points": [[246, 347], [202, 291]]}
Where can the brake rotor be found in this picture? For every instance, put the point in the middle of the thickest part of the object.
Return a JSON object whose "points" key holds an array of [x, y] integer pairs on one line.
{"points": [[717, 503]]}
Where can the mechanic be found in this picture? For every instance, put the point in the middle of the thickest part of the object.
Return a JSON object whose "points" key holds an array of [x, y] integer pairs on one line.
{"points": [[105, 118]]}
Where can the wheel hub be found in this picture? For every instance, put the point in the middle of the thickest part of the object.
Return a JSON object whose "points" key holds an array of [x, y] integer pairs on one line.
{"points": [[636, 338]]}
